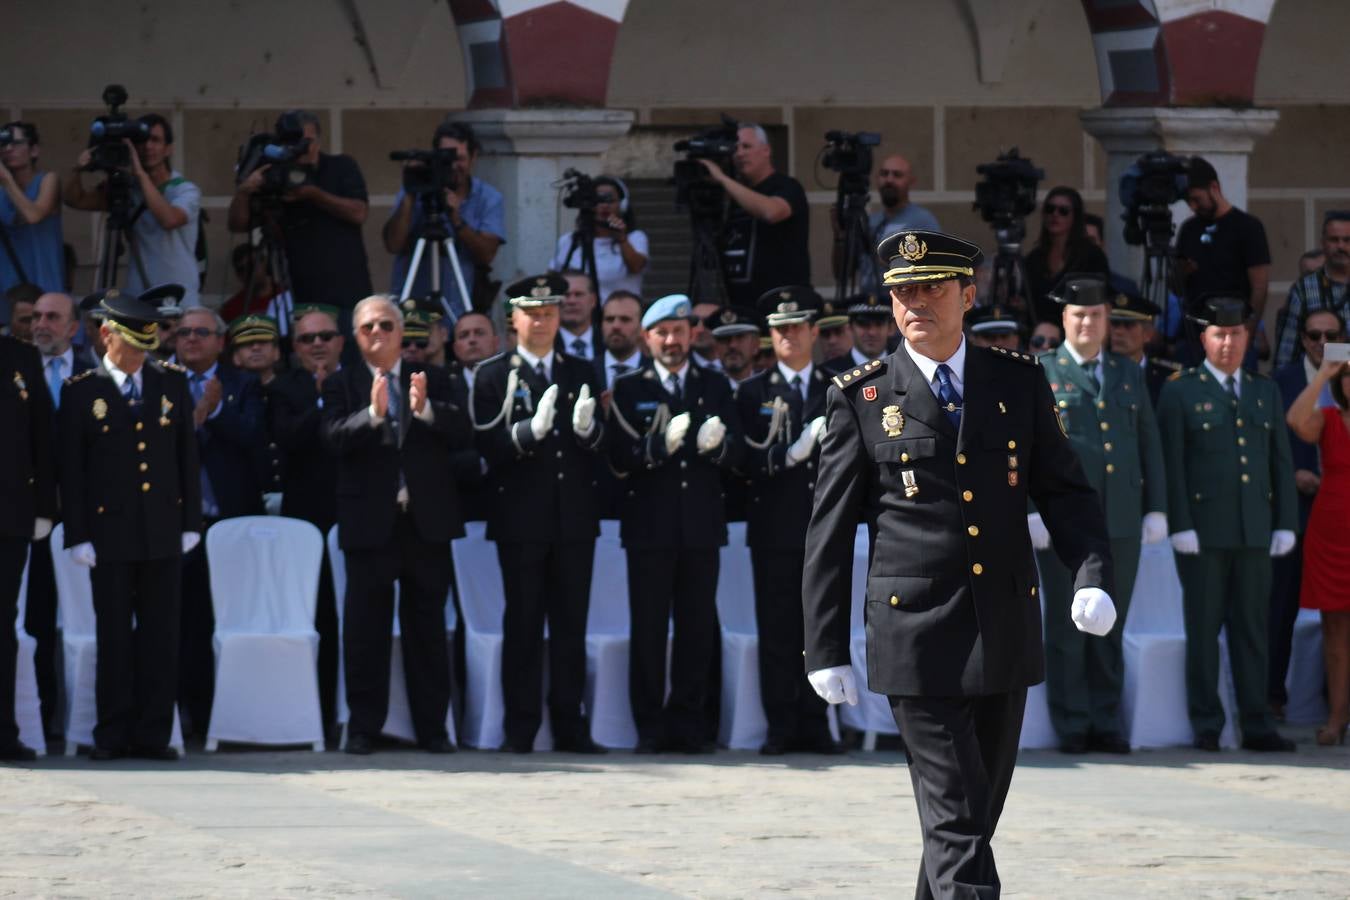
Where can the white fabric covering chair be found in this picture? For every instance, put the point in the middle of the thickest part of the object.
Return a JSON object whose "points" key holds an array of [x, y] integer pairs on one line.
{"points": [[482, 600], [742, 725], [79, 644], [264, 587], [1307, 672], [27, 707], [607, 643], [1038, 732], [872, 716]]}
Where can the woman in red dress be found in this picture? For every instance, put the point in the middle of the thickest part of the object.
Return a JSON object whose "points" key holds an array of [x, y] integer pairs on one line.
{"points": [[1326, 545]]}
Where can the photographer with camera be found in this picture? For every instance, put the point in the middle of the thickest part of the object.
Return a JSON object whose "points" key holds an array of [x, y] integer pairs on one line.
{"points": [[765, 242], [620, 247], [473, 213], [30, 213], [164, 206], [319, 210]]}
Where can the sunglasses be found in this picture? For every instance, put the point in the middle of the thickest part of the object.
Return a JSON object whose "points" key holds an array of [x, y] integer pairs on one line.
{"points": [[420, 345], [1041, 340], [606, 198], [311, 337], [385, 325], [1054, 209], [200, 331], [1314, 335]]}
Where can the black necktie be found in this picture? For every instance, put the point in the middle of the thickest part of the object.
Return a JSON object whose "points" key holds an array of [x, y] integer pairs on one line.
{"points": [[540, 371], [1231, 386], [1090, 369], [673, 385]]}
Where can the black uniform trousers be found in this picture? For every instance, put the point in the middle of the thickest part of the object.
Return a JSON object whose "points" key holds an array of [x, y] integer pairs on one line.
{"points": [[422, 570], [962, 751], [330, 649], [665, 582], [136, 605], [545, 581], [196, 653], [794, 711], [39, 621], [13, 552], [1286, 578]]}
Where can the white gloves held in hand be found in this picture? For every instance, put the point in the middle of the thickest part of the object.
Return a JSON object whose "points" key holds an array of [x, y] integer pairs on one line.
{"points": [[1282, 541], [543, 413], [710, 434], [676, 429], [190, 540], [41, 528], [1040, 535], [1186, 542], [1092, 611], [835, 684], [801, 448], [83, 555], [1154, 528], [583, 414]]}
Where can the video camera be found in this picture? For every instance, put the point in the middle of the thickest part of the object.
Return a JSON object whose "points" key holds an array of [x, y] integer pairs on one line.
{"points": [[1147, 191], [850, 154], [431, 172], [280, 151], [7, 136], [107, 152], [693, 190], [1007, 195], [577, 190]]}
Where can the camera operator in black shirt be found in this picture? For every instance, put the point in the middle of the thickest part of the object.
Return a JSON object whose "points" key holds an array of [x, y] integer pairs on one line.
{"points": [[766, 233], [319, 222]]}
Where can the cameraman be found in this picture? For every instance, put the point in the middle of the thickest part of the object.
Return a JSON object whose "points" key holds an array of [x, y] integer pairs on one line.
{"points": [[895, 178], [766, 233], [477, 220], [30, 213], [620, 247], [320, 223], [165, 208]]}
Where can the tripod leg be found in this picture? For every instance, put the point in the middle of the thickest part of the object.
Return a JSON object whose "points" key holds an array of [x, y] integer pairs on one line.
{"points": [[418, 249], [465, 300]]}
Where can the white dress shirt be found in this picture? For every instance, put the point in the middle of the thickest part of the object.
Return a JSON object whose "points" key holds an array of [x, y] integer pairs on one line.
{"points": [[681, 376], [1222, 378], [804, 375], [587, 338], [956, 362], [632, 362], [533, 361], [120, 378]]}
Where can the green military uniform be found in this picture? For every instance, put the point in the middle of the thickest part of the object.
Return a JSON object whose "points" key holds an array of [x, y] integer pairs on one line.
{"points": [[1114, 432], [1230, 479]]}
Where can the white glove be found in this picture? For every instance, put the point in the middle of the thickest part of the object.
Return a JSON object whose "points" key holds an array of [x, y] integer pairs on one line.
{"points": [[1281, 542], [1155, 528], [835, 684], [1040, 535], [676, 429], [1093, 611], [1186, 542], [83, 555], [190, 539], [801, 448], [543, 413], [583, 414], [41, 528], [710, 434]]}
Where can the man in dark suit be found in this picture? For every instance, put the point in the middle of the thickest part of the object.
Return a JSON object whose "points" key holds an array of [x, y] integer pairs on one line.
{"points": [[28, 484], [393, 427], [131, 503], [309, 468], [1316, 330], [228, 414], [938, 447], [782, 412], [673, 430], [537, 427]]}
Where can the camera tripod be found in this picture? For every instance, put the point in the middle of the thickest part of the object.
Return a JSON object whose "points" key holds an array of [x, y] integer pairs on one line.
{"points": [[269, 251], [707, 278], [435, 231], [855, 241], [583, 239], [117, 236], [1008, 281]]}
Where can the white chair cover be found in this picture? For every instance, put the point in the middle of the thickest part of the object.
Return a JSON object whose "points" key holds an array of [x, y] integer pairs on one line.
{"points": [[27, 707], [607, 643], [1307, 672], [742, 725], [79, 642], [264, 587], [872, 715], [1038, 733]]}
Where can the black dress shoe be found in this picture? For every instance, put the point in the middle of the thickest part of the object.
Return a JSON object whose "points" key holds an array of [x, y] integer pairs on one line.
{"points": [[515, 746], [158, 754], [1108, 742], [17, 752], [698, 748], [822, 744], [773, 747], [104, 754], [1268, 743], [649, 745], [359, 745], [580, 744], [1207, 741], [437, 745], [1074, 744]]}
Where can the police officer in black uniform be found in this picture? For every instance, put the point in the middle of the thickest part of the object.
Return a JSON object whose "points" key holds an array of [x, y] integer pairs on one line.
{"points": [[782, 411], [131, 503], [537, 428], [673, 430], [938, 448], [28, 484]]}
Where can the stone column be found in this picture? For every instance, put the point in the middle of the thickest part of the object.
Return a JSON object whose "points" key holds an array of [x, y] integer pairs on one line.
{"points": [[1225, 137]]}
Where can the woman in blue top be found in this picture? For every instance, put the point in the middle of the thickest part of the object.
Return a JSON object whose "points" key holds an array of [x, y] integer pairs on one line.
{"points": [[30, 213]]}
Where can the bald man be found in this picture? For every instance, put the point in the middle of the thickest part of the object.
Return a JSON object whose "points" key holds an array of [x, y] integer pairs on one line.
{"points": [[895, 179]]}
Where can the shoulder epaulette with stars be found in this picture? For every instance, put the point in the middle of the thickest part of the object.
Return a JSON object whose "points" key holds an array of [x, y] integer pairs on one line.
{"points": [[1026, 358], [861, 373], [173, 366], [80, 377], [1166, 364]]}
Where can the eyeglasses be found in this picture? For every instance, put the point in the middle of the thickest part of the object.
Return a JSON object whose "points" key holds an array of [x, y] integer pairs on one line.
{"points": [[420, 345], [606, 198], [385, 325], [1055, 209], [311, 337], [1041, 340], [1331, 334], [200, 331]]}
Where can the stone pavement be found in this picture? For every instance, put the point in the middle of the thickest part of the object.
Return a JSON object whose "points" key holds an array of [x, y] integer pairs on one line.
{"points": [[1173, 823]]}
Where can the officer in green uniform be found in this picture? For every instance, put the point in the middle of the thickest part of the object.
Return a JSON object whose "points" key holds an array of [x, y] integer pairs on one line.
{"points": [[1103, 402], [1230, 490]]}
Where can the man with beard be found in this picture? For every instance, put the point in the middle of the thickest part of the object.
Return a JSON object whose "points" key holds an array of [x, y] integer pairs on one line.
{"points": [[895, 178], [1322, 288], [736, 331], [619, 329], [704, 347]]}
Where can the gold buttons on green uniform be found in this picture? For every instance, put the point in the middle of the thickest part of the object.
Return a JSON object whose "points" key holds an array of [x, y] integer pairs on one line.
{"points": [[973, 531], [1242, 459], [1106, 426], [1107, 446], [1246, 478], [1110, 468], [977, 569], [1239, 423], [960, 459], [895, 601], [967, 496], [1242, 442]]}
